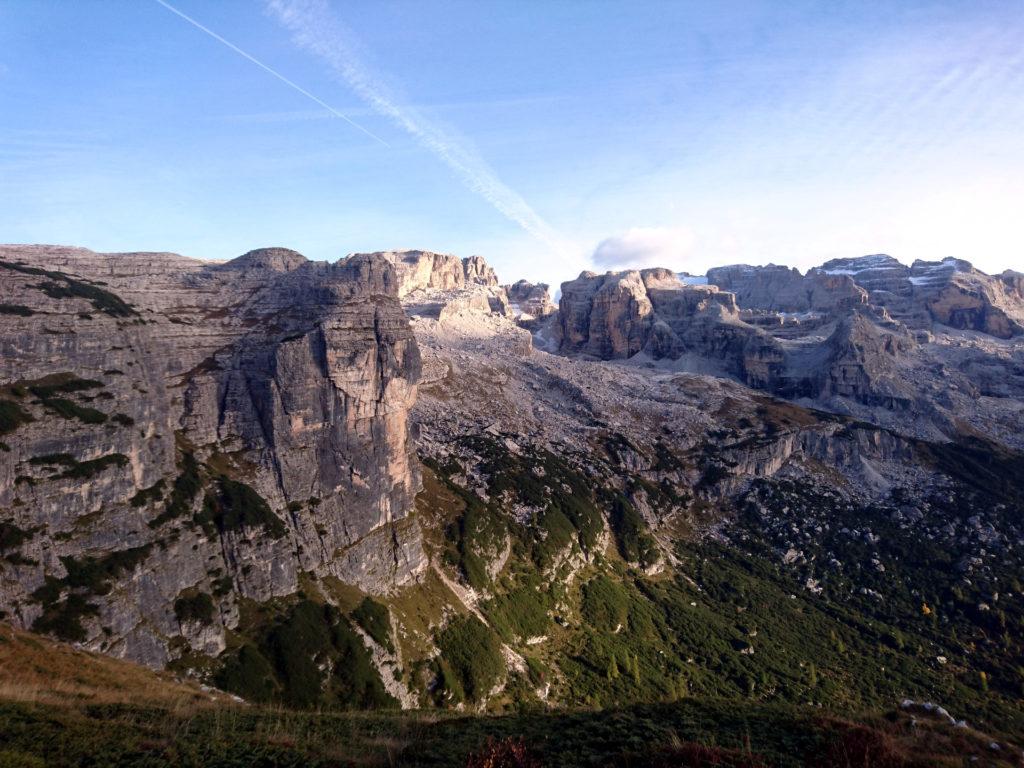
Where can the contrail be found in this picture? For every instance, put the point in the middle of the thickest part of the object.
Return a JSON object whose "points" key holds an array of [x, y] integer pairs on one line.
{"points": [[314, 28], [276, 74]]}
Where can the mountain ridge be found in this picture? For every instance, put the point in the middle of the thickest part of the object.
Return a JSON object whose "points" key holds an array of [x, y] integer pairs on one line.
{"points": [[661, 509]]}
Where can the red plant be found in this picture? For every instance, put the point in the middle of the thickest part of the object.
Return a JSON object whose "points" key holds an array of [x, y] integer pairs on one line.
{"points": [[507, 753], [860, 747], [690, 755]]}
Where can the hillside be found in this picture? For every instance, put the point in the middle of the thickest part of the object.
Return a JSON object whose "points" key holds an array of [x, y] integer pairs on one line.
{"points": [[740, 518], [63, 707]]}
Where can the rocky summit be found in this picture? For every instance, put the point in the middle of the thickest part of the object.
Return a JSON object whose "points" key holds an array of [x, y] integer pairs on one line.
{"points": [[392, 481]]}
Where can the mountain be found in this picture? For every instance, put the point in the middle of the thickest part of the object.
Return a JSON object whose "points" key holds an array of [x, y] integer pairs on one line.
{"points": [[393, 482]]}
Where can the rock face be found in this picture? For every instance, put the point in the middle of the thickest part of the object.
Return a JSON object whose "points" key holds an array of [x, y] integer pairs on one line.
{"points": [[421, 270], [783, 289], [950, 292], [867, 336], [173, 428], [532, 299]]}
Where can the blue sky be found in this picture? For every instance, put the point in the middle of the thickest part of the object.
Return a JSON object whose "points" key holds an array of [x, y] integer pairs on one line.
{"points": [[547, 136]]}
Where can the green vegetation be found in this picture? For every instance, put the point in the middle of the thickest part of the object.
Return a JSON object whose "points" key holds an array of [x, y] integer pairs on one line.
{"points": [[61, 286], [69, 409], [605, 604], [85, 576], [83, 470], [16, 309], [471, 662], [12, 416], [153, 493], [687, 734], [522, 611], [186, 486], [11, 536], [306, 656], [49, 389], [79, 470], [232, 505], [636, 545], [375, 621], [95, 574], [64, 619], [195, 606]]}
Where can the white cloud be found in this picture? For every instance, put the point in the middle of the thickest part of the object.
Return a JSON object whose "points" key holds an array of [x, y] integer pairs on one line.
{"points": [[640, 247]]}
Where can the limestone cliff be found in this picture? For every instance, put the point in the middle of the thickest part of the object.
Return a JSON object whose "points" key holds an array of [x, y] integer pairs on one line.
{"points": [[179, 433]]}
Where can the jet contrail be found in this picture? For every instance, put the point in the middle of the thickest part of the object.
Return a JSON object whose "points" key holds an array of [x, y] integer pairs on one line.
{"points": [[314, 28], [278, 75]]}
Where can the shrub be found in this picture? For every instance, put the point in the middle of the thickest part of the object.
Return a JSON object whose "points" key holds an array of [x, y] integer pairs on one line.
{"points": [[65, 286], [12, 416], [11, 536], [233, 506], [86, 469], [506, 753], [68, 409], [520, 613], [197, 606], [248, 674], [605, 604], [64, 619], [94, 574], [473, 654], [635, 544], [186, 486], [15, 309], [145, 495]]}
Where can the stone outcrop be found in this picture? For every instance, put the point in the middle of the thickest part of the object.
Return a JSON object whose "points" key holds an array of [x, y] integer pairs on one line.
{"points": [[950, 292], [531, 299], [421, 270], [783, 289], [868, 336], [174, 428]]}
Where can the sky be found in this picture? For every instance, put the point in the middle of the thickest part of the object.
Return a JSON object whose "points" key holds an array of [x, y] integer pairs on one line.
{"points": [[549, 137]]}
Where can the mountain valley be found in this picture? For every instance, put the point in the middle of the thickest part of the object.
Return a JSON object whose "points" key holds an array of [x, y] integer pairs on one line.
{"points": [[758, 500]]}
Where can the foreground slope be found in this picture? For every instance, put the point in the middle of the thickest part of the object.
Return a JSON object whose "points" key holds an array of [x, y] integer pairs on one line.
{"points": [[61, 707]]}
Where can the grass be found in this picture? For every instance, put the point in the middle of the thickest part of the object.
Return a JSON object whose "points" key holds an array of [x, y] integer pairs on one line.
{"points": [[375, 621]]}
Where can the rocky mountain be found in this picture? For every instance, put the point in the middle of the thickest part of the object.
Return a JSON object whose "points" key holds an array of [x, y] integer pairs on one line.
{"points": [[918, 348], [185, 433], [391, 481]]}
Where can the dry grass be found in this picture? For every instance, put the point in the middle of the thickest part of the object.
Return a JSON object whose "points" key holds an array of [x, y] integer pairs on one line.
{"points": [[36, 670]]}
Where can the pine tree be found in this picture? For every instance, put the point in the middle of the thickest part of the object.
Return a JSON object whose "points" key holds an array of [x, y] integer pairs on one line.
{"points": [[613, 669], [812, 675]]}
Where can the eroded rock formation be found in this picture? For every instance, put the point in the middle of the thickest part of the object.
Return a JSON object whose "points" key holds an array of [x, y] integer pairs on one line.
{"points": [[173, 428]]}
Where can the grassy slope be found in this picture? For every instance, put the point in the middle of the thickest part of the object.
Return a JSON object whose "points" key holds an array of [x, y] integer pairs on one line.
{"points": [[62, 707]]}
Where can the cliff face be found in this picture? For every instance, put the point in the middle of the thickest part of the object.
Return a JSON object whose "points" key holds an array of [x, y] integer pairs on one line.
{"points": [[184, 434], [422, 270], [866, 336]]}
